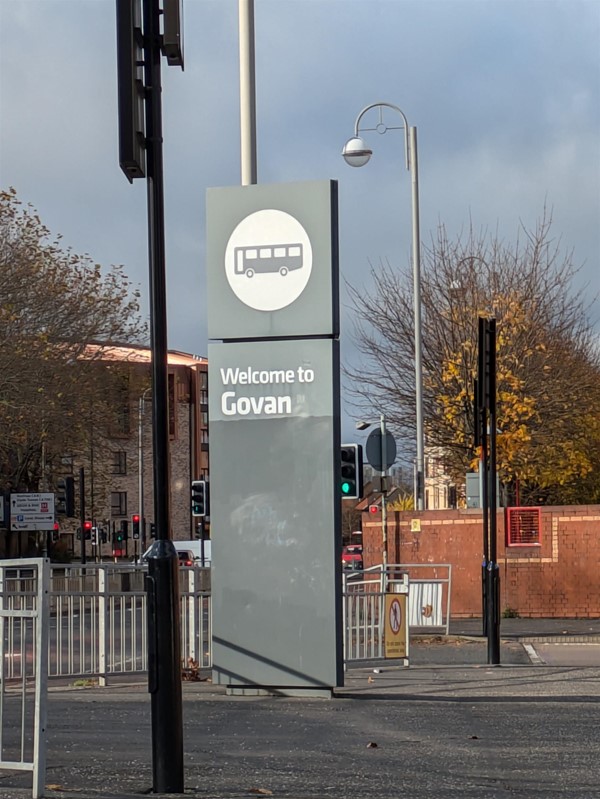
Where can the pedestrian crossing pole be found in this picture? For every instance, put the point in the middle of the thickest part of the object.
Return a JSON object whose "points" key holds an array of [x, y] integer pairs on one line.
{"points": [[140, 43]]}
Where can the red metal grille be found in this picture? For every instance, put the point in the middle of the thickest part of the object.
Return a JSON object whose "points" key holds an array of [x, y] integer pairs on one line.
{"points": [[523, 527]]}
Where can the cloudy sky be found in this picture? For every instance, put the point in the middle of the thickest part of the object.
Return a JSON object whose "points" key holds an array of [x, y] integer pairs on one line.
{"points": [[505, 95]]}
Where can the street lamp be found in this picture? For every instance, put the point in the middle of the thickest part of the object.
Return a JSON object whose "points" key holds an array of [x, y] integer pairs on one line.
{"points": [[357, 153]]}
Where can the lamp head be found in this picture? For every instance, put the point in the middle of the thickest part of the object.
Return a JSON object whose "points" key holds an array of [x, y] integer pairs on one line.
{"points": [[363, 425], [356, 152]]}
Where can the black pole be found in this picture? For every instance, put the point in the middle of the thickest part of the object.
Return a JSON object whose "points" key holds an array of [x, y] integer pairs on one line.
{"points": [[82, 511], [164, 668], [493, 583]]}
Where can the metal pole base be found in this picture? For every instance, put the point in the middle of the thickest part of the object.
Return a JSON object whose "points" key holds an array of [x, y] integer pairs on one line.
{"points": [[164, 667], [493, 612]]}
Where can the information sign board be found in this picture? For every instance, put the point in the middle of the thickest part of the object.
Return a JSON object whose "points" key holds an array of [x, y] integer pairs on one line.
{"points": [[33, 511]]}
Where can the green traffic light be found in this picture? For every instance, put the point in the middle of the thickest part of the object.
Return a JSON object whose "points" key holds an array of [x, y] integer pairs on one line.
{"points": [[346, 488]]}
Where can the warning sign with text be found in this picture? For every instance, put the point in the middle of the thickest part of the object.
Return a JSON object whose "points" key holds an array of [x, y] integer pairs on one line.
{"points": [[395, 632]]}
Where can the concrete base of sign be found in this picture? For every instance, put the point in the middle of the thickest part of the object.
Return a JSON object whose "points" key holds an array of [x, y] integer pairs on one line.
{"points": [[255, 690]]}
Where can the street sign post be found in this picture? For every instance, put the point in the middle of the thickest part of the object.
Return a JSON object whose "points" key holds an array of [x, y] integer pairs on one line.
{"points": [[33, 511]]}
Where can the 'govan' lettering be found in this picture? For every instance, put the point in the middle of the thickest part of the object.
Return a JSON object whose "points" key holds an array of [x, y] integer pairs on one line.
{"points": [[256, 406]]}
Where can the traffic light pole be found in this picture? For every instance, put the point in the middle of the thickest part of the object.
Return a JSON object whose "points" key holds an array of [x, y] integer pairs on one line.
{"points": [[164, 661], [82, 512]]}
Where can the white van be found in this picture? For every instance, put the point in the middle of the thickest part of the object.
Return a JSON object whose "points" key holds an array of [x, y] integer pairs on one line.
{"points": [[189, 552]]}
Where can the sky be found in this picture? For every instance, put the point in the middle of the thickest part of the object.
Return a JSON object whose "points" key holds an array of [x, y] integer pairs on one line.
{"points": [[505, 96]]}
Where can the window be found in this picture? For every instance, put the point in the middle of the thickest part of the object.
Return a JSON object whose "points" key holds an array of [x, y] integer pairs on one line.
{"points": [[118, 503], [119, 462], [523, 527]]}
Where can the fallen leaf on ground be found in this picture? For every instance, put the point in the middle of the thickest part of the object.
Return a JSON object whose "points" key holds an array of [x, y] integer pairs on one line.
{"points": [[371, 679], [261, 791], [371, 745]]}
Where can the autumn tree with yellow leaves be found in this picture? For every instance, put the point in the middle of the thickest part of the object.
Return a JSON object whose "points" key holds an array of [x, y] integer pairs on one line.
{"points": [[548, 359], [55, 396]]}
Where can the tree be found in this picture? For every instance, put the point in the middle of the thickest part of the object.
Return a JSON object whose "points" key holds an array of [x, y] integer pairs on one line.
{"points": [[55, 392], [548, 386]]}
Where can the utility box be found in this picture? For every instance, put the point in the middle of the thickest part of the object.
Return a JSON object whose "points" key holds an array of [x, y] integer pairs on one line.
{"points": [[474, 490]]}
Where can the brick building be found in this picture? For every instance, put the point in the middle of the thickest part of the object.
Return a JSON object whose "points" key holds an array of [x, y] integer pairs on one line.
{"points": [[115, 485]]}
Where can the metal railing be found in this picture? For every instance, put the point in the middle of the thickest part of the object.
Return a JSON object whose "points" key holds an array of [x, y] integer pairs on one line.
{"points": [[23, 667], [98, 620], [429, 588], [98, 615]]}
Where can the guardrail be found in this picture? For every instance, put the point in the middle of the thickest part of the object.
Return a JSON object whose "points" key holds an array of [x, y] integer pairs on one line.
{"points": [[364, 592], [98, 615], [24, 641], [98, 620]]}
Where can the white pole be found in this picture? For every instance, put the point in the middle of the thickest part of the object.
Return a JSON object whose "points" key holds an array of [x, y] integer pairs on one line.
{"points": [[247, 93], [416, 259], [383, 432]]}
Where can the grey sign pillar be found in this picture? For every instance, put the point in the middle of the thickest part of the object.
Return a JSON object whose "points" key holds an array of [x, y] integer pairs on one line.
{"points": [[273, 315]]}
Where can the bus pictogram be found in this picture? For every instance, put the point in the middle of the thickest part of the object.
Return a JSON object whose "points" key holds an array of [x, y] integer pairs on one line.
{"points": [[282, 258]]}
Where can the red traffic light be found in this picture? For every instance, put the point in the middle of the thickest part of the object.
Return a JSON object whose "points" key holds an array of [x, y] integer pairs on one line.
{"points": [[135, 518], [87, 526], [56, 526], [373, 509]]}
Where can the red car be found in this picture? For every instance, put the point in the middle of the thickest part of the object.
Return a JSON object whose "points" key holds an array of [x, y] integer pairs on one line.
{"points": [[352, 557]]}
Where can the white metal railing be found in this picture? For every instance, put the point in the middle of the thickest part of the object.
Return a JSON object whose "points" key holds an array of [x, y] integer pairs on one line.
{"points": [[23, 690], [98, 621], [364, 592], [98, 616]]}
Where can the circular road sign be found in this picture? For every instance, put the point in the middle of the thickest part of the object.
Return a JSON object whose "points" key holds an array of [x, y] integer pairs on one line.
{"points": [[374, 450]]}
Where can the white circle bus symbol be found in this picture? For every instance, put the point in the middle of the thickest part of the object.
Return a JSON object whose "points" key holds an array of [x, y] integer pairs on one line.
{"points": [[268, 260], [395, 616]]}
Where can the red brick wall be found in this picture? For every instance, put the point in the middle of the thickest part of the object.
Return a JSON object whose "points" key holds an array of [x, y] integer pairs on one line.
{"points": [[560, 578]]}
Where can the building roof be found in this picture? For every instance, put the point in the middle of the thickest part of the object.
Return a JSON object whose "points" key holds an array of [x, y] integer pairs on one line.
{"points": [[133, 353]]}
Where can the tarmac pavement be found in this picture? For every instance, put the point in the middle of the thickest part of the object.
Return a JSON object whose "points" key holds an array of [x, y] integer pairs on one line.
{"points": [[448, 726]]}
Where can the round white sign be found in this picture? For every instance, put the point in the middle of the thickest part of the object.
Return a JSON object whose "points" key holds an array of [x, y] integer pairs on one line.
{"points": [[268, 260]]}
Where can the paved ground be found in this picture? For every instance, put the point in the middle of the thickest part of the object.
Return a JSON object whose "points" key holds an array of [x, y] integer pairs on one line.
{"points": [[448, 727]]}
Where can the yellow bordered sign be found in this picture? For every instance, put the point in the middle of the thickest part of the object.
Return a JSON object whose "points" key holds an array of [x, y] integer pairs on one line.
{"points": [[395, 638]]}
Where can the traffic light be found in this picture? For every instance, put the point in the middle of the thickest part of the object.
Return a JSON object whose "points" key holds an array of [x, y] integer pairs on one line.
{"points": [[135, 525], [199, 498], [70, 497], [65, 496], [55, 533], [152, 530], [352, 471], [61, 496], [87, 530]]}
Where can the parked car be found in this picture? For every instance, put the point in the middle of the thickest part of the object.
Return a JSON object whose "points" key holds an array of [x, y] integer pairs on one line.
{"points": [[352, 557]]}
